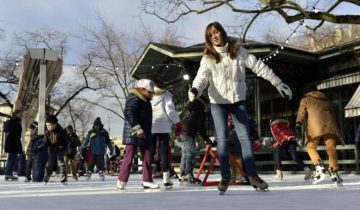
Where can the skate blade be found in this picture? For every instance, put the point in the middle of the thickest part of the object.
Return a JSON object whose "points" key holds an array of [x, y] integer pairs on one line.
{"points": [[167, 187], [151, 190], [261, 190], [339, 184], [315, 181], [221, 192]]}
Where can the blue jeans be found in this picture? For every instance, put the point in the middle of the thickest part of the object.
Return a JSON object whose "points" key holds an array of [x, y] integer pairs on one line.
{"points": [[241, 122], [187, 153], [11, 163]]}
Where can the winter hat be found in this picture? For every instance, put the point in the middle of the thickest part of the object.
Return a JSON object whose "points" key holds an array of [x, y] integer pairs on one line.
{"points": [[98, 121], [147, 84], [51, 119], [70, 128]]}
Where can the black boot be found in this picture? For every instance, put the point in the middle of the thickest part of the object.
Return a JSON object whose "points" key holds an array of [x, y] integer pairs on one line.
{"points": [[258, 183], [335, 177], [223, 185]]}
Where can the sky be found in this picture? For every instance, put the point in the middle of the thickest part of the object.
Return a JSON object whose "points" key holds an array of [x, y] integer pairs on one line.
{"points": [[68, 15]]}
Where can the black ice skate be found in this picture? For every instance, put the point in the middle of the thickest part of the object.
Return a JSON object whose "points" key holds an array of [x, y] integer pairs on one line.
{"points": [[335, 177], [258, 183], [192, 180], [166, 180], [11, 178], [63, 180], [223, 185], [46, 180]]}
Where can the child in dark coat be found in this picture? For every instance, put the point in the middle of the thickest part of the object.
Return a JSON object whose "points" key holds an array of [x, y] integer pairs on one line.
{"points": [[193, 119], [98, 138], [56, 143], [137, 133]]}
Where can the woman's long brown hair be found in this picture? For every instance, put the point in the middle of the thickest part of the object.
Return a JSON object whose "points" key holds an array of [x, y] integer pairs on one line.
{"points": [[209, 48]]}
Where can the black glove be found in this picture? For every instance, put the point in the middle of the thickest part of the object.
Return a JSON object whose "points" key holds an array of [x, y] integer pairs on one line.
{"points": [[193, 90]]}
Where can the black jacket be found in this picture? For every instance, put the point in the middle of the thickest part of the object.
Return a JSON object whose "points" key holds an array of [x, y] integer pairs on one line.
{"points": [[55, 138], [138, 111], [12, 128], [193, 118]]}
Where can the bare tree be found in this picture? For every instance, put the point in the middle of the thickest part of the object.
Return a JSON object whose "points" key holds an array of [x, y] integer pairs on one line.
{"points": [[115, 53], [326, 36], [290, 11], [43, 38], [9, 78]]}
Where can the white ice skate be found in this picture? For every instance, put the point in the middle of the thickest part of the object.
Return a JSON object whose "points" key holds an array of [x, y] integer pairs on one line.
{"points": [[319, 174], [120, 185], [149, 186]]}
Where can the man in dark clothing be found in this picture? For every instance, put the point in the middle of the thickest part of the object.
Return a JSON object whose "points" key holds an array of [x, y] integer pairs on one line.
{"points": [[12, 129]]}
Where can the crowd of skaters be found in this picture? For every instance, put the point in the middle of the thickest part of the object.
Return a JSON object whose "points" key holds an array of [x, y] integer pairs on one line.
{"points": [[150, 117]]}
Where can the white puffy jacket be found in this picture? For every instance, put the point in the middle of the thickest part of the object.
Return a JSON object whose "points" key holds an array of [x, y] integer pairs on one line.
{"points": [[164, 113], [226, 79]]}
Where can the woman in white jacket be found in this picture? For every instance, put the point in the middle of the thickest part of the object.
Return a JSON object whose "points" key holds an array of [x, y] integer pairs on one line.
{"points": [[222, 68], [164, 116]]}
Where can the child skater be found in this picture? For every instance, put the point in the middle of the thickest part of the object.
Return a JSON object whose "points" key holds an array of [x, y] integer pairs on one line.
{"points": [[285, 141], [137, 133]]}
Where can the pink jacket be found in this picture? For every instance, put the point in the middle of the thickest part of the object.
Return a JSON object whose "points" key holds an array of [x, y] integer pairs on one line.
{"points": [[281, 132]]}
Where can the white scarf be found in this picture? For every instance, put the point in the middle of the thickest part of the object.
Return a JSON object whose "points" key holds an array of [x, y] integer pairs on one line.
{"points": [[223, 49]]}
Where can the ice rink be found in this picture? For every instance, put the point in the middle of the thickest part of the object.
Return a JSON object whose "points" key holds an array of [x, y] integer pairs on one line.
{"points": [[293, 193]]}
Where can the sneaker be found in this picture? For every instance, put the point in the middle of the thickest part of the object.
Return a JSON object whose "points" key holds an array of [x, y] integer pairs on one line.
{"points": [[308, 173], [150, 185], [27, 179], [120, 185], [258, 183]]}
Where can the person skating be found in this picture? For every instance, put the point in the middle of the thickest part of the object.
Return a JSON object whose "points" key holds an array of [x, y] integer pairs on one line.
{"points": [[72, 150], [55, 142], [285, 141], [164, 116], [12, 130], [193, 120], [222, 70], [98, 138], [315, 109], [137, 133]]}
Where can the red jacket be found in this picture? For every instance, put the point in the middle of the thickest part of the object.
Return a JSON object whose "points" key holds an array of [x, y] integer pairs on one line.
{"points": [[281, 132]]}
